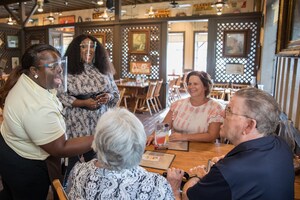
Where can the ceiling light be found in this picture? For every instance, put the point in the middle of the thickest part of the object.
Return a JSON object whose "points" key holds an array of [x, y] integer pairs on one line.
{"points": [[10, 21], [40, 4], [219, 4], [51, 18], [100, 2], [105, 15], [66, 2]]}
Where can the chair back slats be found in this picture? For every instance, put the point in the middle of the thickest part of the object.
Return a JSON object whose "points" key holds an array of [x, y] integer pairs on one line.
{"points": [[151, 90], [158, 87], [217, 94], [221, 85], [238, 86]]}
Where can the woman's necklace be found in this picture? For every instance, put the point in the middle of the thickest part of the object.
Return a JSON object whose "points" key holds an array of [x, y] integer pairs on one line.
{"points": [[196, 102]]}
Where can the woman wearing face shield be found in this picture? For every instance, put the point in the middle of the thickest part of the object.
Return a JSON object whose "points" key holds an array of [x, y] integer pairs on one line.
{"points": [[33, 129], [91, 89]]}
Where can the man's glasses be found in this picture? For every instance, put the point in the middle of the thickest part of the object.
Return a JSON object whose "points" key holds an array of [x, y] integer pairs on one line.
{"points": [[54, 65], [228, 112]]}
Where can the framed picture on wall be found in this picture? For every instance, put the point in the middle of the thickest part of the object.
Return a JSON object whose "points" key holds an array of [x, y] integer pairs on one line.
{"points": [[139, 41], [14, 62], [12, 41], [235, 43], [100, 37], [293, 32]]}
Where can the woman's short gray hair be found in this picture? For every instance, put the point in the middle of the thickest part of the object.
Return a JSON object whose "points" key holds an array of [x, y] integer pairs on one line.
{"points": [[119, 140], [262, 107]]}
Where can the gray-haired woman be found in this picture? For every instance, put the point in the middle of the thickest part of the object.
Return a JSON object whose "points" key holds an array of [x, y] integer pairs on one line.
{"points": [[119, 143]]}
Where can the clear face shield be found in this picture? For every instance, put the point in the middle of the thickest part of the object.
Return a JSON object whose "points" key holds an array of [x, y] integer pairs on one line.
{"points": [[87, 50], [56, 75]]}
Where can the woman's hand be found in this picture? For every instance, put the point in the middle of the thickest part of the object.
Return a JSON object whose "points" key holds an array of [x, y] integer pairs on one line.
{"points": [[150, 139], [177, 137], [91, 104], [103, 98]]}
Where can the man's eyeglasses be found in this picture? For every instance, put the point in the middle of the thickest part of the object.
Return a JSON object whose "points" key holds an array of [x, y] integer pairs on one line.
{"points": [[228, 111], [54, 65]]}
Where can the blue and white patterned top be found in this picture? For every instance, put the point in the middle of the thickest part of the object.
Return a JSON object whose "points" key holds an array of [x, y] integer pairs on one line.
{"points": [[88, 182]]}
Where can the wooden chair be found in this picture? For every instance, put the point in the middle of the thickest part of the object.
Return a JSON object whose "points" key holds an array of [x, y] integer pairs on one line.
{"points": [[183, 86], [59, 190], [238, 86], [234, 88], [221, 85], [217, 94], [147, 98], [177, 87], [122, 92], [157, 94], [171, 92]]}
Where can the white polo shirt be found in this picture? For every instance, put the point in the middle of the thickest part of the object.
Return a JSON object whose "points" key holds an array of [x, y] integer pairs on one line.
{"points": [[32, 117]]}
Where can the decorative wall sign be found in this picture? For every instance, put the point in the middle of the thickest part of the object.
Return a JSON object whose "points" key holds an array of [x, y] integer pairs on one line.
{"points": [[232, 68], [139, 41], [235, 43], [12, 41], [66, 19], [140, 68]]}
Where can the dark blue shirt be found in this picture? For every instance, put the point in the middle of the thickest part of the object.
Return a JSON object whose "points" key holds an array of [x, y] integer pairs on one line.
{"points": [[256, 169]]}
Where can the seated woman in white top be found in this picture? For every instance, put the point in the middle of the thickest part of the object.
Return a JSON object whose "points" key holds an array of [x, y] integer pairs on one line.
{"points": [[198, 117], [119, 143]]}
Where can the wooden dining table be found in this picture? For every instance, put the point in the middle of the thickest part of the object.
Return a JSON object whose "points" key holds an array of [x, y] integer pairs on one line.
{"points": [[199, 154], [132, 89]]}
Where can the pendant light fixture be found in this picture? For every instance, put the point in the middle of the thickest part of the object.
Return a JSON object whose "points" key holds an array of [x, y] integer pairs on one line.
{"points": [[40, 4], [100, 2], [10, 21], [51, 18], [219, 5]]}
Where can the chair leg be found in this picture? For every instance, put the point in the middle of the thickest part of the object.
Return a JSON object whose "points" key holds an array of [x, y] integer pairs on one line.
{"points": [[149, 107], [153, 105], [156, 104], [136, 105], [125, 102], [158, 101]]}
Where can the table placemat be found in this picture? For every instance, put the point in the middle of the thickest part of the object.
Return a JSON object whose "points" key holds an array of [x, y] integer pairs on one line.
{"points": [[180, 146], [157, 160]]}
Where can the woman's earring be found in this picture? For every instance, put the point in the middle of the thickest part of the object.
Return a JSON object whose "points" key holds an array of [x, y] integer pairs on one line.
{"points": [[36, 76]]}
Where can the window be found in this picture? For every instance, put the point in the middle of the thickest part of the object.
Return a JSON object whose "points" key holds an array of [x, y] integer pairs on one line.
{"points": [[175, 53], [200, 51]]}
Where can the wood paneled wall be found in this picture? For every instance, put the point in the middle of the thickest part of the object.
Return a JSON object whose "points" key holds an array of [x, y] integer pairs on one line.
{"points": [[287, 88]]}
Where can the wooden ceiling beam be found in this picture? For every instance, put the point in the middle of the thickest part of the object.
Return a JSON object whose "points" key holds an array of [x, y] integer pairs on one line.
{"points": [[7, 2]]}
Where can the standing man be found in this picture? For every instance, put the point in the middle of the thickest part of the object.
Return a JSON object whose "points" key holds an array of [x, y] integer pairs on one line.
{"points": [[261, 164]]}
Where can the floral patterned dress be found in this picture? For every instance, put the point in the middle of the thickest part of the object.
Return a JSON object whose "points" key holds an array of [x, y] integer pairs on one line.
{"points": [[88, 182], [80, 121]]}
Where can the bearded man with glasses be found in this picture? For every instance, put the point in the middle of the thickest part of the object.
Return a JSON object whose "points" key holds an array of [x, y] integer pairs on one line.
{"points": [[261, 164]]}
